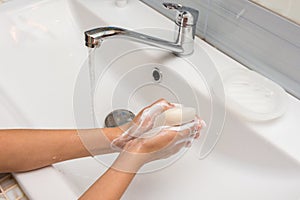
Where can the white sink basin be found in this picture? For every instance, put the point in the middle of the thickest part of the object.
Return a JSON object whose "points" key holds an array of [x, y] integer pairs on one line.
{"points": [[242, 166], [247, 163], [10, 113], [40, 52]]}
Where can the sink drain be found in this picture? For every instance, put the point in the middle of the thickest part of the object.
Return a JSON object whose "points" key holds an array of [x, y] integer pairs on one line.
{"points": [[118, 118], [157, 75]]}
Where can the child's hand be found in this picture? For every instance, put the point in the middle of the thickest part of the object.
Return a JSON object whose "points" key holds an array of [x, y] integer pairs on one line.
{"points": [[167, 142], [142, 123]]}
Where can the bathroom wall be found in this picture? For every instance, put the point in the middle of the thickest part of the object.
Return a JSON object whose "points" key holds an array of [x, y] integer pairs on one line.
{"points": [[286, 8], [253, 35]]}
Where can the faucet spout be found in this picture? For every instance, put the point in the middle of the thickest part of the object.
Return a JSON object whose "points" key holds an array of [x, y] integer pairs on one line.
{"points": [[94, 37], [186, 21]]}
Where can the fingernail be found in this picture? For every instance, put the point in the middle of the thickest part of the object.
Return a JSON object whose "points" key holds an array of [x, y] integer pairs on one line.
{"points": [[177, 105], [188, 144], [203, 123], [198, 128]]}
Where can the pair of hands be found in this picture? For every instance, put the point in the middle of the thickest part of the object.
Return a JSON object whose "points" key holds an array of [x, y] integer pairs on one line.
{"points": [[138, 148]]}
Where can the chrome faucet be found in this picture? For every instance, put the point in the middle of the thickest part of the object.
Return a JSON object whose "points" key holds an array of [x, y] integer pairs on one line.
{"points": [[186, 21]]}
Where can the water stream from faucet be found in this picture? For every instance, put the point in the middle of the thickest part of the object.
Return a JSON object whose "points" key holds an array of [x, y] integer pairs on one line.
{"points": [[91, 63]]}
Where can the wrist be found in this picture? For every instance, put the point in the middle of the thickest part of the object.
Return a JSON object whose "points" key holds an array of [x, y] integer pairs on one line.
{"points": [[128, 162], [115, 132]]}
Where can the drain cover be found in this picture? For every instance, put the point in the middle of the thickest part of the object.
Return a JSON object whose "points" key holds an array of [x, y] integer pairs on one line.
{"points": [[118, 118]]}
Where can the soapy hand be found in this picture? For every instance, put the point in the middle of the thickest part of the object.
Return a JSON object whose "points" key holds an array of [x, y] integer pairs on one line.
{"points": [[142, 123], [167, 142]]}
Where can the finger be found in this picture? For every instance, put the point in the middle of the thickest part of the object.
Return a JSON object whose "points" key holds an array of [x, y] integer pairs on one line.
{"points": [[158, 107], [187, 129], [153, 132], [202, 123], [171, 135], [167, 139], [120, 142], [197, 135], [176, 148], [164, 103], [117, 145], [161, 140], [186, 141], [148, 116], [188, 144]]}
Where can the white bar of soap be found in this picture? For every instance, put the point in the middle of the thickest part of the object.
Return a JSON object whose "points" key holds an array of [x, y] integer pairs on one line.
{"points": [[175, 116]]}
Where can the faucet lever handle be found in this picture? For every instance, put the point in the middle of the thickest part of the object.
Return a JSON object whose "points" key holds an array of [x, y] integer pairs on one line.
{"points": [[185, 15], [171, 6]]}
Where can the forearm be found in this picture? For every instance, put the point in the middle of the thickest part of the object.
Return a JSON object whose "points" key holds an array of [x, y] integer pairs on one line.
{"points": [[23, 150], [111, 185], [114, 182]]}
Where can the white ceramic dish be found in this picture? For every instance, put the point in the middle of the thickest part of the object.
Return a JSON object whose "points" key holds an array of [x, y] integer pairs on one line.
{"points": [[253, 96]]}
